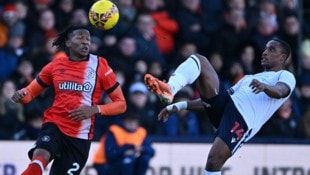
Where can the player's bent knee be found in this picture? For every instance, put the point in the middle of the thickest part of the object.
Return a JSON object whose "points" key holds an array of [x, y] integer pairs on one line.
{"points": [[215, 163]]}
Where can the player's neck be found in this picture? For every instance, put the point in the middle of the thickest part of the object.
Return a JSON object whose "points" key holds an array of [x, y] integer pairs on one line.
{"points": [[275, 69], [74, 58]]}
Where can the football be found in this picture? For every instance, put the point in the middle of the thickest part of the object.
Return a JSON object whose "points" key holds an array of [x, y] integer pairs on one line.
{"points": [[103, 14]]}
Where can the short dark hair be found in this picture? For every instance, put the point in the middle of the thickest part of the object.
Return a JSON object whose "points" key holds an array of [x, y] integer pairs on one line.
{"points": [[285, 47], [60, 41]]}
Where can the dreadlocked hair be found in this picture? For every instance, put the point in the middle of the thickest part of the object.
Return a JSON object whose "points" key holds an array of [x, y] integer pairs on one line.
{"points": [[62, 37]]}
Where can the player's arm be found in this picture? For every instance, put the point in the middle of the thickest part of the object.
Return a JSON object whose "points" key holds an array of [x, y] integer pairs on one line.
{"points": [[117, 106], [279, 90], [28, 93], [196, 105]]}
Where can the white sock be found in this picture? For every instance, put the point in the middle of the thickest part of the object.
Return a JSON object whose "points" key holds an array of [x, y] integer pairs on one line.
{"points": [[212, 173], [186, 73]]}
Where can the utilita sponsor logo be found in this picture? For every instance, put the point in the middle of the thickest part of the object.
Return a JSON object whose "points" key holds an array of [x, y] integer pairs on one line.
{"points": [[86, 87]]}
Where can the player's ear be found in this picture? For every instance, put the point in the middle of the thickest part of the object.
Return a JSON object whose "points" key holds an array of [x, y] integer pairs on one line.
{"points": [[282, 58], [68, 43]]}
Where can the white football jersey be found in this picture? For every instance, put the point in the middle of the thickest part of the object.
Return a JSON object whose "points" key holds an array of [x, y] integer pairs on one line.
{"points": [[256, 109]]}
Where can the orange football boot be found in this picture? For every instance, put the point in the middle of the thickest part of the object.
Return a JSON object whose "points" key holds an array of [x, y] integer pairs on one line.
{"points": [[159, 88]]}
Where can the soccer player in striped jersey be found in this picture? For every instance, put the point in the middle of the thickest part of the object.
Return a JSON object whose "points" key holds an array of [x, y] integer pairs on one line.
{"points": [[79, 79]]}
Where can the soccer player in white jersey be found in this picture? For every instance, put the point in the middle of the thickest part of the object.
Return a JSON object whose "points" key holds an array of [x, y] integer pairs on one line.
{"points": [[239, 112]]}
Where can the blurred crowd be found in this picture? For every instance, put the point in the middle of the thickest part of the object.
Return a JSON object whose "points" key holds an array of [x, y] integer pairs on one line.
{"points": [[154, 36]]}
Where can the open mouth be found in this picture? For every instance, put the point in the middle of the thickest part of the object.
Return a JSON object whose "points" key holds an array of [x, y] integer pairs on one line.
{"points": [[85, 49]]}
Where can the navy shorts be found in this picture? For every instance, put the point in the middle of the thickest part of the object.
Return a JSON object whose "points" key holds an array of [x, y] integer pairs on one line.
{"points": [[231, 127], [232, 130], [69, 154]]}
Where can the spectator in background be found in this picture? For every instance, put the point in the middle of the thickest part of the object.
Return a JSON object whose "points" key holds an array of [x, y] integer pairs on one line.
{"points": [[183, 123], [303, 78], [140, 66], [125, 149], [231, 36], [23, 9], [11, 114], [217, 61], [290, 31], [125, 55], [36, 7], [95, 44], [9, 20], [4, 29], [103, 123], [11, 52], [24, 73], [198, 21], [236, 4], [264, 9], [183, 51], [264, 31], [248, 58], [287, 6], [147, 47], [156, 69], [213, 16], [45, 53], [285, 123], [45, 26], [128, 12], [120, 77], [236, 72], [138, 102], [165, 27], [304, 86], [305, 56], [63, 10], [33, 111], [30, 128], [268, 8], [306, 122], [79, 17], [190, 19]]}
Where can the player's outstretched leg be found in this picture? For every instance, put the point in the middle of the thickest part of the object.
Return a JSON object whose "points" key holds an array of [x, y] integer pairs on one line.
{"points": [[161, 89], [186, 73]]}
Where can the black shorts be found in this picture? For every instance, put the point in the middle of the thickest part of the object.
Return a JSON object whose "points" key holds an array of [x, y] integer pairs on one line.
{"points": [[216, 106], [69, 154]]}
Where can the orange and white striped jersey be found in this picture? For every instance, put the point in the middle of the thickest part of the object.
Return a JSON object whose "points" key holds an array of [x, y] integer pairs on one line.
{"points": [[76, 83]]}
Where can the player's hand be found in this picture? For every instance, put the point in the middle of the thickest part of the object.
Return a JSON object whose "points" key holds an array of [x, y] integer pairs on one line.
{"points": [[165, 113], [83, 112], [18, 95], [257, 86]]}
